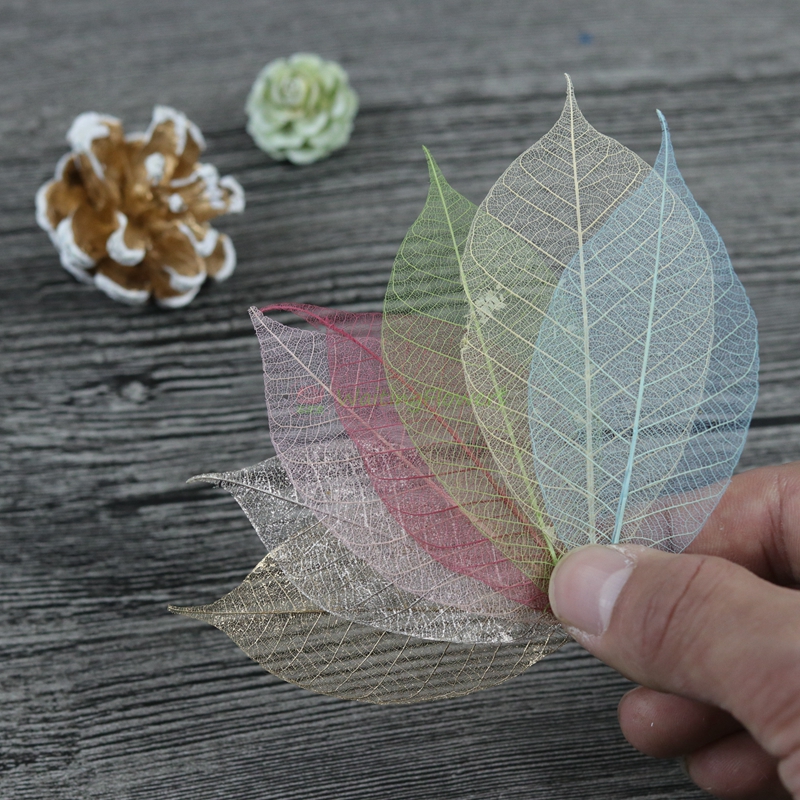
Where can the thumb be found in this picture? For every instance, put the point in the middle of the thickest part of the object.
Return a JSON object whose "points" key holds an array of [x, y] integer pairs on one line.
{"points": [[697, 626]]}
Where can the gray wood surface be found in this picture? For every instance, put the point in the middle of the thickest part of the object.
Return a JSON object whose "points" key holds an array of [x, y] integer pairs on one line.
{"points": [[108, 410]]}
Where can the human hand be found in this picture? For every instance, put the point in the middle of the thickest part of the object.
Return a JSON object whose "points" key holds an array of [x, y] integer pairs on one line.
{"points": [[713, 636]]}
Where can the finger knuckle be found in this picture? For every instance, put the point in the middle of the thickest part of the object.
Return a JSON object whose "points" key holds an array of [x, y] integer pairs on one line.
{"points": [[673, 619]]}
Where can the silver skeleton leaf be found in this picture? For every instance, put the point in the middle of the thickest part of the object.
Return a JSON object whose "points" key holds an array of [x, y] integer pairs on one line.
{"points": [[335, 580], [290, 637]]}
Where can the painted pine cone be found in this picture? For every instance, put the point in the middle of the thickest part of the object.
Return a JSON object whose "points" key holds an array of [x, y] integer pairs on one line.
{"points": [[131, 213]]}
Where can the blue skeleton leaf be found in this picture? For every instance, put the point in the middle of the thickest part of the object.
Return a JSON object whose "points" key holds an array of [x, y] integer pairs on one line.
{"points": [[644, 374]]}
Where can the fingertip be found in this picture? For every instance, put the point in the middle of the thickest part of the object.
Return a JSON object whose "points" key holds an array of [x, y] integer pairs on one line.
{"points": [[666, 726], [737, 768], [585, 585]]}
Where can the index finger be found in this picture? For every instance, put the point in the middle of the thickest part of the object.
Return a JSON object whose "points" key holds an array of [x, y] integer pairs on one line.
{"points": [[757, 524]]}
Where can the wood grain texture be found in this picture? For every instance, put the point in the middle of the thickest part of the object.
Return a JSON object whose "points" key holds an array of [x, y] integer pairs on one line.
{"points": [[108, 410]]}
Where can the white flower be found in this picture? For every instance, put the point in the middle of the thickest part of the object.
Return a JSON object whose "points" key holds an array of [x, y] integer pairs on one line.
{"points": [[301, 108]]}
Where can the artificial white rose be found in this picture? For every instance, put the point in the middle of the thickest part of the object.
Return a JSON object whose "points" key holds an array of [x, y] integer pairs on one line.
{"points": [[301, 108]]}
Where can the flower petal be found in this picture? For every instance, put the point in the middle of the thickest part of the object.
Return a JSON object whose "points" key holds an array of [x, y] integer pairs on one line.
{"points": [[119, 249], [284, 140], [177, 300], [131, 285], [235, 199], [173, 130], [72, 258], [91, 229], [103, 192], [171, 133], [155, 165], [184, 283], [306, 155], [222, 262], [59, 198], [312, 126], [207, 195], [166, 294], [91, 134], [174, 249], [42, 207], [204, 245]]}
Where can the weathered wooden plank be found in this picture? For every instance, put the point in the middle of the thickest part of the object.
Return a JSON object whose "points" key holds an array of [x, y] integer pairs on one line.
{"points": [[107, 410], [297, 241]]}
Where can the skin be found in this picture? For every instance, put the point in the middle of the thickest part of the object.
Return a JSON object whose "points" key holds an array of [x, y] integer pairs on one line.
{"points": [[713, 637]]}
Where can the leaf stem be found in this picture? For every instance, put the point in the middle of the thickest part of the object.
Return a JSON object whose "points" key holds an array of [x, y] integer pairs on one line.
{"points": [[626, 480], [587, 360]]}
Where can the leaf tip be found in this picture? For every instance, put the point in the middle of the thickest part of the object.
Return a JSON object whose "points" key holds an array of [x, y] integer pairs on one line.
{"points": [[666, 141], [195, 612], [570, 103], [206, 477], [432, 166], [185, 611], [256, 314]]}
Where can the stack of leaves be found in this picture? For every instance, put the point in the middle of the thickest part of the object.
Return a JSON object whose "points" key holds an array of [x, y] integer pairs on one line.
{"points": [[573, 361]]}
